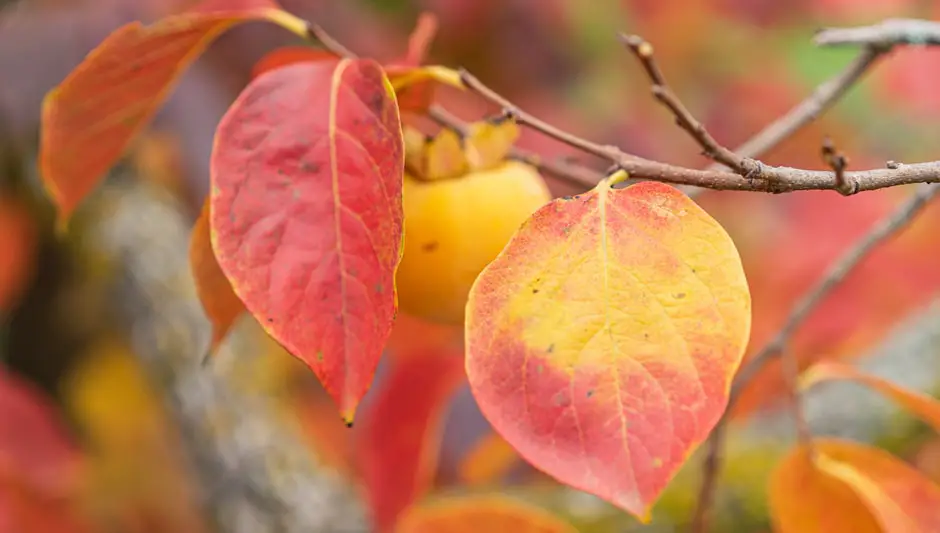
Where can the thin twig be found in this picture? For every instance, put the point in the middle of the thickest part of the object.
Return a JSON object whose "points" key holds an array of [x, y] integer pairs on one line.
{"points": [[838, 163], [790, 368], [880, 232], [809, 109], [885, 34], [643, 51]]}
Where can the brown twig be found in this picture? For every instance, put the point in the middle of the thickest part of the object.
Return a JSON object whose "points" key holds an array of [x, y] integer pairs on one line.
{"points": [[643, 51], [880, 232], [838, 163], [886, 34]]}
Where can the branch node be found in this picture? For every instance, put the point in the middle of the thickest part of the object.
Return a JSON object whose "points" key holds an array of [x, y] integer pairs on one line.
{"points": [[838, 163]]}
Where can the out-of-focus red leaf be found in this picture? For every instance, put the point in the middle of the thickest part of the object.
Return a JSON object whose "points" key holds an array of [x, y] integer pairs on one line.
{"points": [[40, 468], [92, 116], [288, 55], [414, 337], [34, 445], [848, 486], [922, 405], [398, 447], [17, 251], [326, 433], [222, 306], [477, 514], [306, 214]]}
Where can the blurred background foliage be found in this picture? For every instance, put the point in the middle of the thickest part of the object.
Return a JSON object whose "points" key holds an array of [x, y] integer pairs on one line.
{"points": [[738, 64]]}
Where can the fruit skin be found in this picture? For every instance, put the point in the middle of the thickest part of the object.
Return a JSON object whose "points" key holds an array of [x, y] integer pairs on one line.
{"points": [[454, 228]]}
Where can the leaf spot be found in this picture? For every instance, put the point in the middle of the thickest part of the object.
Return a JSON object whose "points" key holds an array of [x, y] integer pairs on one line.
{"points": [[430, 246]]}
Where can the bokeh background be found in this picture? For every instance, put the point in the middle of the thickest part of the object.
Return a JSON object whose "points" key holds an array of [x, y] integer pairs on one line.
{"points": [[737, 64]]}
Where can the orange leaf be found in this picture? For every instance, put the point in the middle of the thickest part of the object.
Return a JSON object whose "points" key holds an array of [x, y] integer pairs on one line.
{"points": [[401, 431], [219, 301], [851, 487], [306, 215], [472, 514], [602, 340], [489, 460], [924, 406], [17, 251], [288, 55], [414, 337], [93, 115]]}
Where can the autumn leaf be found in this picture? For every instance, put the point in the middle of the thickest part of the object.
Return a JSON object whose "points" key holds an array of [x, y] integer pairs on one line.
{"points": [[397, 449], [601, 342], [489, 460], [306, 214], [924, 406], [89, 120], [35, 448], [219, 301], [18, 236], [471, 514], [848, 486]]}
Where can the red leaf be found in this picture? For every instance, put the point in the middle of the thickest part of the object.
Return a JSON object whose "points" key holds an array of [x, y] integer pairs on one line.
{"points": [[306, 214], [402, 429], [288, 55], [92, 116], [17, 251], [219, 301], [34, 446]]}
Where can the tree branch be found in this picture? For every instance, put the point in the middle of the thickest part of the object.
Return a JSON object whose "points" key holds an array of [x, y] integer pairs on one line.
{"points": [[884, 35], [882, 231]]}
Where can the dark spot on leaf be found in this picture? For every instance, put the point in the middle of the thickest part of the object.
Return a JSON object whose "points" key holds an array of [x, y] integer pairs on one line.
{"points": [[590, 393], [646, 335], [535, 291], [379, 289], [320, 356], [577, 197], [310, 167], [348, 423], [551, 348], [270, 320], [560, 399], [377, 103], [680, 295], [566, 197], [430, 246]]}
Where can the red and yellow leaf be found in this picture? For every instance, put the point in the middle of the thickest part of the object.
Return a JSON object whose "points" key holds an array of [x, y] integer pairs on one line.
{"points": [[89, 120], [306, 214], [488, 461], [602, 341], [472, 514], [401, 431], [924, 406], [848, 486], [219, 301]]}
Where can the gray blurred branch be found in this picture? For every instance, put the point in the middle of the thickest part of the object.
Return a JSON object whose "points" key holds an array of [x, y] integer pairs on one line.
{"points": [[256, 473]]}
